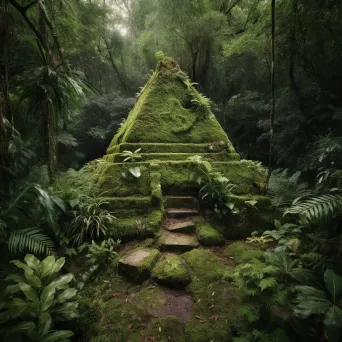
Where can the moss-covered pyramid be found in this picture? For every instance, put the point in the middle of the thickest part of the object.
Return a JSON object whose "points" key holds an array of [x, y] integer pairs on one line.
{"points": [[175, 130]]}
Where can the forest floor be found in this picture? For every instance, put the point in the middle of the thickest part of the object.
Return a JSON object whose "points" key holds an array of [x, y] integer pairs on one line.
{"points": [[201, 307]]}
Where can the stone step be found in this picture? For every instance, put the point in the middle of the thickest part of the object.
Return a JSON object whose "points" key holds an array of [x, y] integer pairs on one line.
{"points": [[181, 212], [189, 202], [186, 227], [177, 242], [137, 264]]}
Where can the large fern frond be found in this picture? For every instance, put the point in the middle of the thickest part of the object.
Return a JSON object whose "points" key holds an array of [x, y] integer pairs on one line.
{"points": [[30, 240], [317, 209]]}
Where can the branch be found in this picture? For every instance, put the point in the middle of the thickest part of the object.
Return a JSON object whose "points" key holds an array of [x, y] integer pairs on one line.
{"points": [[30, 5], [22, 10]]}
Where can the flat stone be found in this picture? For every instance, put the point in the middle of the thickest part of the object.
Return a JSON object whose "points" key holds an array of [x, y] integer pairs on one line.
{"points": [[171, 270], [138, 263], [181, 212], [177, 242], [186, 227]]}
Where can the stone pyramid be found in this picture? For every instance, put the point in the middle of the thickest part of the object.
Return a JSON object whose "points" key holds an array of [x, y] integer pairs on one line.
{"points": [[175, 130]]}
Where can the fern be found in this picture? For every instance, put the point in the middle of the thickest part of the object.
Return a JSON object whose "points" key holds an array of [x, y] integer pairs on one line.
{"points": [[30, 240], [317, 209]]}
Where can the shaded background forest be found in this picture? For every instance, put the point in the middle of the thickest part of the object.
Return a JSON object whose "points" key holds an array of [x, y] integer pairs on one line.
{"points": [[87, 59]]}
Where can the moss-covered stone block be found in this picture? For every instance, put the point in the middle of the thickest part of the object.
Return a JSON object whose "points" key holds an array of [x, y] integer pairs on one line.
{"points": [[137, 264], [207, 235], [172, 271], [177, 242], [243, 252], [116, 180]]}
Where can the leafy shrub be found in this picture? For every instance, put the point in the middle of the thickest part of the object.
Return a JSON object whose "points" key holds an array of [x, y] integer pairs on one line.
{"points": [[102, 254], [215, 188], [90, 221], [38, 298], [132, 156], [39, 211], [327, 304]]}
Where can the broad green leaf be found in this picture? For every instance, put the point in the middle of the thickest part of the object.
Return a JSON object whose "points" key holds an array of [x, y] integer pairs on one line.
{"points": [[29, 292], [62, 280], [21, 265], [46, 266], [58, 265], [44, 324], [11, 289], [68, 310], [135, 171], [333, 282], [47, 297], [33, 280], [66, 295], [16, 278], [252, 203], [58, 335], [333, 323], [32, 262], [23, 327]]}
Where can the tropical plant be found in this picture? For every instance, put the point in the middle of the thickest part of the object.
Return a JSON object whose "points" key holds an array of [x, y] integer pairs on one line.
{"points": [[37, 208], [90, 221], [102, 254], [38, 298], [53, 90], [325, 304], [131, 156], [216, 188], [284, 188], [316, 209], [255, 277]]}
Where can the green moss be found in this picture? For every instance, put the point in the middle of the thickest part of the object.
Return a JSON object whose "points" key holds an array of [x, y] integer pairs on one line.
{"points": [[116, 180], [207, 235], [216, 300], [217, 156], [213, 317], [170, 109], [206, 269], [141, 270], [151, 299], [156, 191], [243, 252], [168, 148], [130, 203], [166, 328], [130, 224], [171, 271]]}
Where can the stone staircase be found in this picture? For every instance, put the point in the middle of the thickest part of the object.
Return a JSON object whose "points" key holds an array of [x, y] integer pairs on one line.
{"points": [[179, 229], [182, 231]]}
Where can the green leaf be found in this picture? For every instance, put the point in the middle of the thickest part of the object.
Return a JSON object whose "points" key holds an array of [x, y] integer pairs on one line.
{"points": [[21, 265], [32, 262], [66, 295], [135, 171], [58, 335], [47, 298], [333, 282], [252, 203], [16, 278], [44, 324], [29, 292], [58, 265], [33, 280], [62, 280], [46, 266]]}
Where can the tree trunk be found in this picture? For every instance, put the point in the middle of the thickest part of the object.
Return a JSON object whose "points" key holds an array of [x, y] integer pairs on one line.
{"points": [[49, 140], [111, 59], [272, 115]]}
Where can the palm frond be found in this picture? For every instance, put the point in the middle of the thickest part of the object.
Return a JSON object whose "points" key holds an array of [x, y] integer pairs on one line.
{"points": [[317, 209], [30, 240]]}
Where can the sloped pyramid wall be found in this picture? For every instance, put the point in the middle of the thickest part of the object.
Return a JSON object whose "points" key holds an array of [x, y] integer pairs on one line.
{"points": [[171, 122]]}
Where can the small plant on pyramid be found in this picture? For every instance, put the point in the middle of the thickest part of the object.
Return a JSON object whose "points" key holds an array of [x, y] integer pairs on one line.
{"points": [[131, 156]]}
